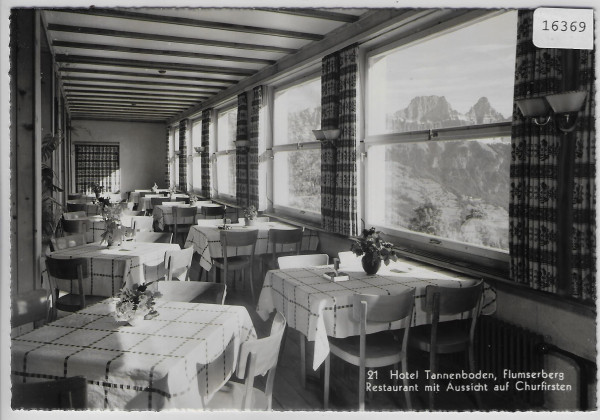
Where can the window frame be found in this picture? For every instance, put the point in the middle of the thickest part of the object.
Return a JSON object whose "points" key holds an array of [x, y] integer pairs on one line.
{"points": [[217, 152], [417, 242], [279, 209], [195, 127]]}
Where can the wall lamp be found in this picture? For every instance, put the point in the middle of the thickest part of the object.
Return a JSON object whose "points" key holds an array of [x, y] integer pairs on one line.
{"points": [[563, 107], [242, 144], [327, 136]]}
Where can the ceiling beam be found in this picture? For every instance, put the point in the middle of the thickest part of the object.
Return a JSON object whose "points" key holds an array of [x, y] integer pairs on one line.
{"points": [[168, 38], [196, 23], [117, 101], [107, 110], [313, 13], [116, 118], [129, 88], [192, 88], [158, 96], [153, 76], [168, 53], [120, 62]]}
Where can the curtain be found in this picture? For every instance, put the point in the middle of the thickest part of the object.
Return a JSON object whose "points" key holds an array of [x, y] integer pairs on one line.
{"points": [[205, 155], [253, 170], [338, 163], [241, 157], [183, 155], [97, 164], [167, 156], [534, 226]]}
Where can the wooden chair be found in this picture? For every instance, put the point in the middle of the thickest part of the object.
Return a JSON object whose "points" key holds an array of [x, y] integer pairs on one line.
{"points": [[61, 394], [185, 200], [450, 336], [156, 237], [377, 349], [157, 201], [142, 224], [31, 307], [178, 263], [75, 226], [73, 270], [68, 241], [71, 207], [193, 291], [237, 238], [299, 261], [213, 211], [183, 219], [257, 357], [281, 238], [73, 215]]}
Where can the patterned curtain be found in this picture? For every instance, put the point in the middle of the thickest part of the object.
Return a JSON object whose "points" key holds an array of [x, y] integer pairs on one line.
{"points": [[583, 273], [534, 227], [241, 157], [97, 164], [183, 155], [167, 151], [205, 155], [257, 104], [338, 163]]}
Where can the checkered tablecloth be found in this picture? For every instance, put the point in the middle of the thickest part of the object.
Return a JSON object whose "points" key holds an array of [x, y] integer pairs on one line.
{"points": [[91, 209], [318, 307], [163, 214], [206, 241], [107, 265], [177, 360]]}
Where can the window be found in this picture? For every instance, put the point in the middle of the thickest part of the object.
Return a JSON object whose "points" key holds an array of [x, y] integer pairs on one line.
{"points": [[196, 160], [226, 133], [438, 137], [176, 158], [297, 155]]}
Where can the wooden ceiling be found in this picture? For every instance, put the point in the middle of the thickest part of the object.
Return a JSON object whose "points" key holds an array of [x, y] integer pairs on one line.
{"points": [[152, 64]]}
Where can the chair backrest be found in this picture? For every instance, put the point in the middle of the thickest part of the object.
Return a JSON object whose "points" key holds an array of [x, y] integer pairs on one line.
{"points": [[260, 356], [142, 223], [32, 306], [186, 200], [71, 215], [153, 271], [178, 263], [129, 212], [299, 261], [212, 211], [76, 207], [65, 394], [184, 215], [157, 201], [348, 259], [193, 291], [67, 268], [75, 225], [284, 237], [156, 237], [383, 308], [68, 241], [238, 237]]}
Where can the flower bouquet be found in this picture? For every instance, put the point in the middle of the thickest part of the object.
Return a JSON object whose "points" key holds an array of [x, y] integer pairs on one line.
{"points": [[250, 214], [111, 214], [373, 250], [135, 303]]}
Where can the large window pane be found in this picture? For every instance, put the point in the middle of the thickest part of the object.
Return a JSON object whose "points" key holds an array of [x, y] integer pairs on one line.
{"points": [[226, 129], [196, 159], [457, 190], [298, 179], [226, 174], [459, 78], [297, 111]]}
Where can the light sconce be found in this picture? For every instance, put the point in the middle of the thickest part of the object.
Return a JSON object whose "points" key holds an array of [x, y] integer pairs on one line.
{"points": [[269, 154], [327, 136], [199, 149], [563, 107]]}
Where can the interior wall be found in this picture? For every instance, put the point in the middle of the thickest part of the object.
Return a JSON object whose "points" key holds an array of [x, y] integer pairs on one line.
{"points": [[142, 149]]}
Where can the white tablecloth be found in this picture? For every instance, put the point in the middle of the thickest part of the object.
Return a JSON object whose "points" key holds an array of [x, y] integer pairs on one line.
{"points": [[206, 241], [107, 265], [318, 307], [177, 360], [145, 203]]}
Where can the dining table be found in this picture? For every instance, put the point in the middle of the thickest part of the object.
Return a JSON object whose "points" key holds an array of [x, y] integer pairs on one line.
{"points": [[91, 208], [134, 196], [145, 203], [206, 241], [176, 360], [319, 307], [112, 267], [163, 213]]}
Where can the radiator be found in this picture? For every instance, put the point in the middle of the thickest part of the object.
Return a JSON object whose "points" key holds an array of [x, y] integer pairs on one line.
{"points": [[500, 345]]}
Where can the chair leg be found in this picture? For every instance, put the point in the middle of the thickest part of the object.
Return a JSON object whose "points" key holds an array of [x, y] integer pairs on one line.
{"points": [[404, 366], [302, 359], [361, 388], [471, 355], [326, 372], [433, 369], [251, 283]]}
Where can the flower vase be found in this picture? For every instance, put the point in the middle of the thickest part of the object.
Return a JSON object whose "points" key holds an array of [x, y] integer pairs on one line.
{"points": [[136, 319], [371, 264], [250, 222]]}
